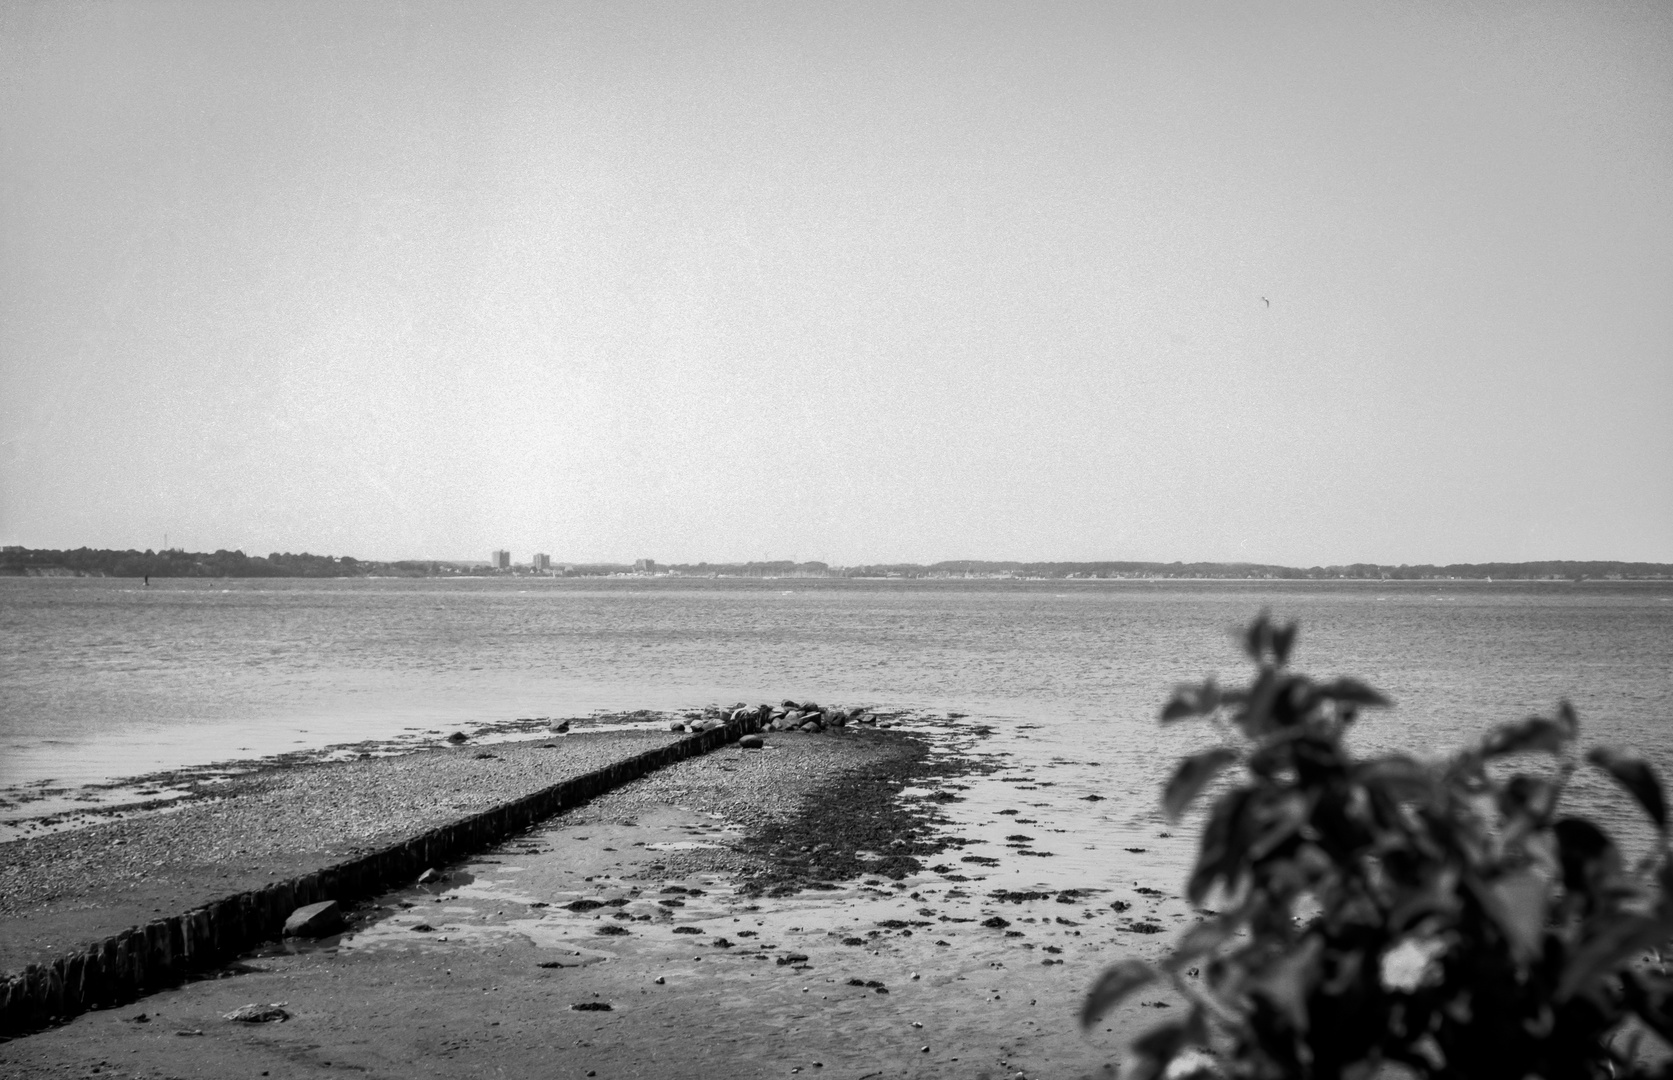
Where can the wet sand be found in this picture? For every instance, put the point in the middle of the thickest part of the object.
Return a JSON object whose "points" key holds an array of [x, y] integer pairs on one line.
{"points": [[64, 889], [698, 905]]}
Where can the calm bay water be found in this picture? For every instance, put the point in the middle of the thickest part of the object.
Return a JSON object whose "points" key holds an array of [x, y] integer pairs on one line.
{"points": [[105, 678]]}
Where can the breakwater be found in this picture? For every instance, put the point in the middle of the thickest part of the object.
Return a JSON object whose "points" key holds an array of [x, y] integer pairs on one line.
{"points": [[164, 952]]}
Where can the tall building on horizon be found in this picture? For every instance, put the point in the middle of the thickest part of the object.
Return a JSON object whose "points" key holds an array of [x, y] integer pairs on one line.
{"points": [[500, 560], [541, 562]]}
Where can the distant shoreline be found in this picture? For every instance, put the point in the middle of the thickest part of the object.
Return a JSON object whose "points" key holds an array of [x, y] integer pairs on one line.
{"points": [[175, 563]]}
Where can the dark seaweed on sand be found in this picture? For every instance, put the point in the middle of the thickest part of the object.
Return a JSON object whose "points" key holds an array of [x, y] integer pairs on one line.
{"points": [[860, 811]]}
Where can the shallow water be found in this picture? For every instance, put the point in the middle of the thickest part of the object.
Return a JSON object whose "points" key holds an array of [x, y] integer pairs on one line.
{"points": [[101, 679]]}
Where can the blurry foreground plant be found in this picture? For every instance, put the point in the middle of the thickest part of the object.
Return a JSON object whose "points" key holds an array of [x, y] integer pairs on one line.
{"points": [[1443, 916]]}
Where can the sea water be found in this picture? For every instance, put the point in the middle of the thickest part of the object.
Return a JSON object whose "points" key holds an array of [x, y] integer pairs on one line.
{"points": [[106, 678]]}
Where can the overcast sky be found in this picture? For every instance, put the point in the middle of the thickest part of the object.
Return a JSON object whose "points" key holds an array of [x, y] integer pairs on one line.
{"points": [[858, 282]]}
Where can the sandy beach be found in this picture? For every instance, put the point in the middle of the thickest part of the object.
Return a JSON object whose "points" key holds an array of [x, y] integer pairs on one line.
{"points": [[802, 908]]}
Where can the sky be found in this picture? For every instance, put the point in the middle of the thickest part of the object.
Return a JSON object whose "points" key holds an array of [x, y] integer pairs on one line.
{"points": [[859, 282]]}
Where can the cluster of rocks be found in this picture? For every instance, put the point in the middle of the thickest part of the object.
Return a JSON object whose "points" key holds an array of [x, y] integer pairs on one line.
{"points": [[787, 715]]}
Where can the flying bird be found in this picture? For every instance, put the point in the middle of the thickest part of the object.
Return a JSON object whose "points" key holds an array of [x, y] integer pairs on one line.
{"points": [[1265, 301]]}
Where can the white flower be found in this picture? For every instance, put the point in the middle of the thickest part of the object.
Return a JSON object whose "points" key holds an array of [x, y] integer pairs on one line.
{"points": [[1191, 1065], [1414, 962]]}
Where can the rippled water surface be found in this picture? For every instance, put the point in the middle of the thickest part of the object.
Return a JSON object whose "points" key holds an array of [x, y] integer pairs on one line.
{"points": [[105, 678]]}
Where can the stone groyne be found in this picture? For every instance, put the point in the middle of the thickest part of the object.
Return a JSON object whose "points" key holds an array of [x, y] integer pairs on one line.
{"points": [[166, 951]]}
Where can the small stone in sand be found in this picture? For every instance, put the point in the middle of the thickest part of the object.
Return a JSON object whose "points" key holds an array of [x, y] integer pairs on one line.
{"points": [[315, 920]]}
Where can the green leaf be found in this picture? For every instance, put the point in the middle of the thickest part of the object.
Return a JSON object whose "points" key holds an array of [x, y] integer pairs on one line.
{"points": [[1202, 939], [1287, 981], [1283, 640], [1634, 774], [1536, 733], [1567, 718], [1528, 797], [1255, 718], [1192, 775], [1516, 902], [1112, 988], [1398, 777], [1156, 1049], [1652, 1001], [1191, 700], [1589, 858], [1621, 941], [1263, 638], [1355, 692], [1257, 636], [1224, 846], [1281, 817]]}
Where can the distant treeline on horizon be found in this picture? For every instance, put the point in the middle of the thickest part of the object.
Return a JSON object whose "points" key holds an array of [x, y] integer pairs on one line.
{"points": [[94, 562]]}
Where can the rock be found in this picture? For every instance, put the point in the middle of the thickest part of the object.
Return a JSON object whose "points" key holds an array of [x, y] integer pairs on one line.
{"points": [[315, 920], [792, 718], [456, 738], [431, 876], [424, 928], [676, 725], [752, 742], [560, 728], [259, 1014]]}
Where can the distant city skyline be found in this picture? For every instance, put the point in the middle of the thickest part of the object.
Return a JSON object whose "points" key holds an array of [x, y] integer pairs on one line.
{"points": [[1299, 284], [18, 561]]}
